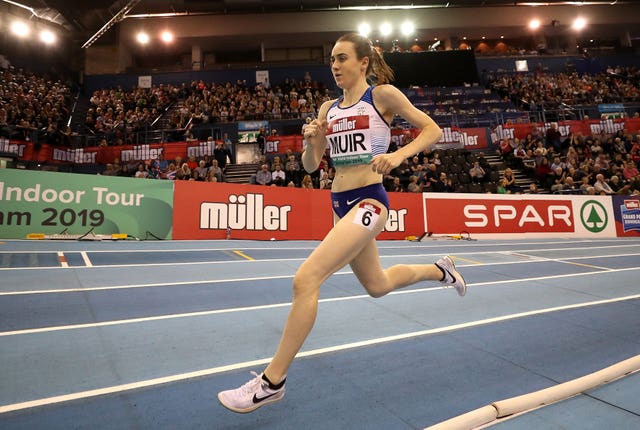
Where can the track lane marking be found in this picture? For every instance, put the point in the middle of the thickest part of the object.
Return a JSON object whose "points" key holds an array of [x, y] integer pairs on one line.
{"points": [[289, 276], [62, 259], [344, 347], [280, 305], [85, 258], [270, 260], [243, 255]]}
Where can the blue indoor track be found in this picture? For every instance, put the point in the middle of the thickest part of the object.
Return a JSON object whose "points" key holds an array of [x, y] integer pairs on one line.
{"points": [[143, 334]]}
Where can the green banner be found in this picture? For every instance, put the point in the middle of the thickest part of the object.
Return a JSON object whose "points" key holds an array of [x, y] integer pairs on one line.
{"points": [[50, 203]]}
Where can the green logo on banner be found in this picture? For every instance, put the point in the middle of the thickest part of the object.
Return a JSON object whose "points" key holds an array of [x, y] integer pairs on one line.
{"points": [[593, 216]]}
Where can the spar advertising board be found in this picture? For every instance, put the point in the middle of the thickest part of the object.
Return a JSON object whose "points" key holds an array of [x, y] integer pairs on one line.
{"points": [[205, 211], [511, 215]]}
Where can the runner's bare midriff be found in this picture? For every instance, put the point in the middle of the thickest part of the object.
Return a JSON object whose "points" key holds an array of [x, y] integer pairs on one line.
{"points": [[352, 177]]}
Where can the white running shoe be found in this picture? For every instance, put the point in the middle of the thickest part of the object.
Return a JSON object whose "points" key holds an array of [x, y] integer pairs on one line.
{"points": [[251, 395], [451, 275]]}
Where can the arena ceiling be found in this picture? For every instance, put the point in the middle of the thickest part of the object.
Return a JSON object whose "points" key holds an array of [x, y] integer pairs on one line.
{"points": [[85, 19]]}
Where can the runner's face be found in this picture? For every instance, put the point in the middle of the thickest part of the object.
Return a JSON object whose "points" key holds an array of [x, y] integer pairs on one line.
{"points": [[345, 66]]}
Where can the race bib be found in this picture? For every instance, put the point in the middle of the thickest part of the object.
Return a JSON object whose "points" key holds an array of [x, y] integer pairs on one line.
{"points": [[367, 215], [350, 140]]}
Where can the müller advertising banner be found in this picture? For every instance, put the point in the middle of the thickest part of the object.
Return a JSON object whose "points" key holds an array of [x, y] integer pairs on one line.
{"points": [[52, 202], [206, 210]]}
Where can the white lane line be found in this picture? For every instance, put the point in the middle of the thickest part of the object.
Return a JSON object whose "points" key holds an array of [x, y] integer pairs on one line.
{"points": [[273, 260], [280, 305], [597, 245], [567, 260], [62, 259], [260, 278], [344, 347], [153, 285], [85, 258]]}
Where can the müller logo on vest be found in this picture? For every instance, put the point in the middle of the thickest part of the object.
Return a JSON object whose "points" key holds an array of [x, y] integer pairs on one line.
{"points": [[347, 135]]}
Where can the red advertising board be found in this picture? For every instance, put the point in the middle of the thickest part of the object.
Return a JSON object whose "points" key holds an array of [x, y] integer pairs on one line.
{"points": [[406, 217], [470, 138], [482, 214], [281, 144], [205, 210], [586, 128]]}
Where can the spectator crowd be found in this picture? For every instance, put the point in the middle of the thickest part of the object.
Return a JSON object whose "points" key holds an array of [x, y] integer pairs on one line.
{"points": [[35, 106], [210, 102], [576, 164], [536, 91]]}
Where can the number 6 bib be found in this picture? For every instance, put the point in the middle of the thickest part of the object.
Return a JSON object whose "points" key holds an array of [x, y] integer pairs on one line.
{"points": [[367, 215]]}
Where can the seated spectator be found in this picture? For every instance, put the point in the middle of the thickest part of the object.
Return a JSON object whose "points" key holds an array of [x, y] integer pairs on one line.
{"points": [[584, 185], [170, 173], [306, 182], [163, 164], [618, 186], [192, 163], [292, 170], [414, 163], [518, 155], [630, 171], [396, 185], [540, 150], [183, 173], [596, 147], [414, 186], [601, 186], [325, 181], [558, 176], [510, 182], [202, 170], [263, 176], [557, 162], [211, 176], [477, 173], [278, 176], [142, 171], [484, 163], [443, 185], [501, 189], [216, 171]]}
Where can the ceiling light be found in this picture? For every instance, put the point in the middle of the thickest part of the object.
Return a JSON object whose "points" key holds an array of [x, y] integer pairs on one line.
{"points": [[142, 38], [579, 24], [364, 29], [386, 29], [47, 37], [407, 28], [166, 36], [20, 29]]}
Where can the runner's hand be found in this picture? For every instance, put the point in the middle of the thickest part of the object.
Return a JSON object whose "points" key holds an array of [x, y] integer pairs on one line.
{"points": [[315, 132], [385, 163]]}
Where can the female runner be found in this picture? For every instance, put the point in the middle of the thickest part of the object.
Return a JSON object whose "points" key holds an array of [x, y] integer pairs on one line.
{"points": [[356, 127]]}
